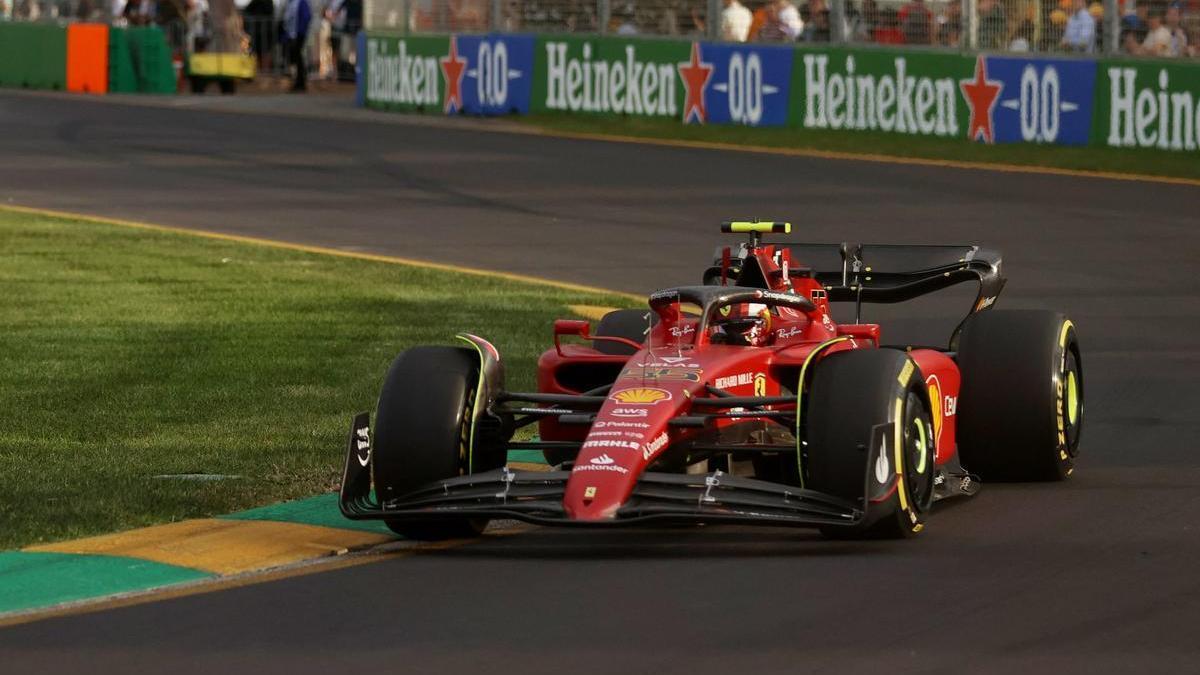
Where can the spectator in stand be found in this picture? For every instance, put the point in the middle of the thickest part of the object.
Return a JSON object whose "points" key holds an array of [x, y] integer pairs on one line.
{"points": [[294, 30], [916, 23], [1022, 37], [887, 32], [259, 18], [949, 25], [735, 22], [626, 23], [862, 23], [817, 22], [1179, 37], [1158, 36], [783, 22], [993, 27], [1133, 31], [1080, 33]]}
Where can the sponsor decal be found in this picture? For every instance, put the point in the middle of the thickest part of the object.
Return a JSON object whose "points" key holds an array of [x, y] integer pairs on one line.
{"points": [[362, 442], [664, 362], [607, 443], [883, 471], [695, 75], [749, 84], [589, 492], [620, 425], [760, 384], [885, 96], [625, 84], [400, 77], [672, 374], [602, 463], [984, 303], [935, 401], [784, 333], [731, 381], [680, 331], [674, 360], [1147, 109], [654, 446], [641, 396], [828, 323], [499, 73], [778, 297], [631, 412], [1038, 101], [452, 72], [606, 433]]}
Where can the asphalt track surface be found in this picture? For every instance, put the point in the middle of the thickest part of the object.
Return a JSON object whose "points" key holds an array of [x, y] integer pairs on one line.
{"points": [[1095, 575]]}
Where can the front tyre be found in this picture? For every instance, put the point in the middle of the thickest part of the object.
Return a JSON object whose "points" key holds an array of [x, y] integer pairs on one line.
{"points": [[1020, 409], [422, 432], [861, 398]]}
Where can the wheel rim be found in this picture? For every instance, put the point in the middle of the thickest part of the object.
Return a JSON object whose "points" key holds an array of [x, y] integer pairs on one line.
{"points": [[918, 452], [1072, 378]]}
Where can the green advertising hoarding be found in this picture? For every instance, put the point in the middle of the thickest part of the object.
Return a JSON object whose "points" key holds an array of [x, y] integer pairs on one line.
{"points": [[405, 73], [609, 75], [915, 93], [1147, 105]]}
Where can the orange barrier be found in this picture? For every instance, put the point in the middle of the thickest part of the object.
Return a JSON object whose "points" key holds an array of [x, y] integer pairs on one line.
{"points": [[87, 58]]}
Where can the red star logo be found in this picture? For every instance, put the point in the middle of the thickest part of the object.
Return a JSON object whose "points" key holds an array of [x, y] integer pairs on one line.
{"points": [[981, 94], [452, 71], [696, 75]]}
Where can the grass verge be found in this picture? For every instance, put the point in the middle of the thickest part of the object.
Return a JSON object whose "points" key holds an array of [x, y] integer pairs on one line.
{"points": [[1106, 160], [128, 354]]}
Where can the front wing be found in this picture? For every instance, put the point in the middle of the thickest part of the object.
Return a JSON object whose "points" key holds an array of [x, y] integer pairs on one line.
{"points": [[537, 497]]}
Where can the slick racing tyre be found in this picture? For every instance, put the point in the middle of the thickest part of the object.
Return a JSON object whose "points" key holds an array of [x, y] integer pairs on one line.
{"points": [[422, 432], [630, 324], [1020, 409], [867, 400]]}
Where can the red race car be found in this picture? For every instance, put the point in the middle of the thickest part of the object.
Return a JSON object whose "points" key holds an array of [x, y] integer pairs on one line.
{"points": [[740, 400]]}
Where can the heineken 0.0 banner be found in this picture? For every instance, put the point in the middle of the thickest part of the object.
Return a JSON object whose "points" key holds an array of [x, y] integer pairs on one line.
{"points": [[472, 74], [926, 94], [1147, 105]]}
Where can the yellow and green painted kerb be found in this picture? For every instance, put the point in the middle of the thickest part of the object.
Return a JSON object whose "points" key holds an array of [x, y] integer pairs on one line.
{"points": [[189, 551]]}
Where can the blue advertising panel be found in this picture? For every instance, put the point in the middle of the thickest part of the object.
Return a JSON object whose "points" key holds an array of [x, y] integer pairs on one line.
{"points": [[1042, 100], [749, 84], [498, 77]]}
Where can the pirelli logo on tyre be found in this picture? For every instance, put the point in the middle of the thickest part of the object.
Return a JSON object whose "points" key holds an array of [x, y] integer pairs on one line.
{"points": [[641, 396]]}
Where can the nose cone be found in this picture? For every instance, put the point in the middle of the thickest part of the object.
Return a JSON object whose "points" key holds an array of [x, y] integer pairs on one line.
{"points": [[614, 454]]}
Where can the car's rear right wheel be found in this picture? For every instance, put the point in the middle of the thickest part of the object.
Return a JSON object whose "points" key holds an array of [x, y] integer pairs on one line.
{"points": [[1020, 409]]}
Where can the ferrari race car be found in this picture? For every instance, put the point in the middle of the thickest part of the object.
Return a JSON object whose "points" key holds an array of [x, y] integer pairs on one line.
{"points": [[740, 400]]}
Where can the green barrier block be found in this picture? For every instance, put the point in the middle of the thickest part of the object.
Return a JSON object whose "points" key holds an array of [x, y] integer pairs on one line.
{"points": [[30, 580], [122, 78], [33, 55], [151, 57]]}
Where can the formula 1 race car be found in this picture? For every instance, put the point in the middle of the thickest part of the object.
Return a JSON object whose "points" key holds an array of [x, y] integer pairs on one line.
{"points": [[739, 400]]}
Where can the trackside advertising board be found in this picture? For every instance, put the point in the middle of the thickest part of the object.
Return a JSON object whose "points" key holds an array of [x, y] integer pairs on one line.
{"points": [[977, 98], [1147, 105], [472, 74]]}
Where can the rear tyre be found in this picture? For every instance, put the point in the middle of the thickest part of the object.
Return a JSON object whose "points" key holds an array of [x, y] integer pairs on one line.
{"points": [[630, 324], [422, 432], [852, 394], [1020, 409]]}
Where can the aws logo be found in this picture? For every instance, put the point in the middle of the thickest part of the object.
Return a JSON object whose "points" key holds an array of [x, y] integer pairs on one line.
{"points": [[641, 396]]}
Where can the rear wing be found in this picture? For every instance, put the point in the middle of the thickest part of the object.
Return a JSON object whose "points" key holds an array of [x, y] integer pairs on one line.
{"points": [[884, 273]]}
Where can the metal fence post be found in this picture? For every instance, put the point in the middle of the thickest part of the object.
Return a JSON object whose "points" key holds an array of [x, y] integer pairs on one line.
{"points": [[496, 22], [837, 21], [1112, 27], [970, 28], [603, 15], [712, 20]]}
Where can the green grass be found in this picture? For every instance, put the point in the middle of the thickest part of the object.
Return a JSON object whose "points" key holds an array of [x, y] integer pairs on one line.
{"points": [[128, 354], [1133, 161]]}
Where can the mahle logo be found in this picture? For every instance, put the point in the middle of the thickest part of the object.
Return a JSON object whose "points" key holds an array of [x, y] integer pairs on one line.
{"points": [[630, 86], [891, 101], [1146, 118]]}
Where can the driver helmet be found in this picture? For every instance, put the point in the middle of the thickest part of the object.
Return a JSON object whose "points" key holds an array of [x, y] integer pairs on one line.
{"points": [[747, 325]]}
